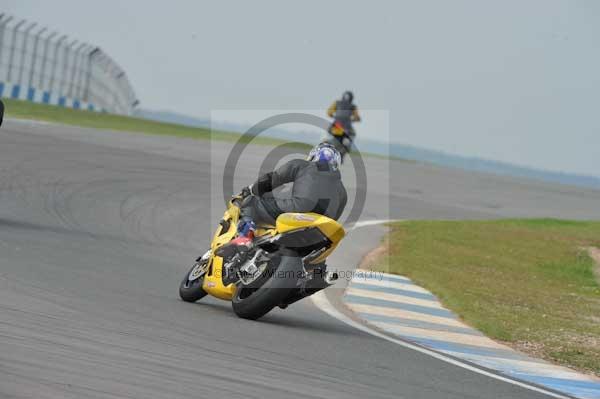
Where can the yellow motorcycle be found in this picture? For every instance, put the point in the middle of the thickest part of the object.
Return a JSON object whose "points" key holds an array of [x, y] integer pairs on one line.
{"points": [[284, 263]]}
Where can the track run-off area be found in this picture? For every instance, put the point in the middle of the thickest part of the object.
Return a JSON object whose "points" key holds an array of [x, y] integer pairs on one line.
{"points": [[97, 229]]}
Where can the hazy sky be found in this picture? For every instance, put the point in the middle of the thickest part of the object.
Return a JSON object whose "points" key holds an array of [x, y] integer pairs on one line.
{"points": [[516, 81]]}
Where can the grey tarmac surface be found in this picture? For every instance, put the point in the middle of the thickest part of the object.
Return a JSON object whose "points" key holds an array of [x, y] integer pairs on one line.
{"points": [[97, 229]]}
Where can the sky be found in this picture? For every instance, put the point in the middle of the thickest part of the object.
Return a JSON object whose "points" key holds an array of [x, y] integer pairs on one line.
{"points": [[512, 80]]}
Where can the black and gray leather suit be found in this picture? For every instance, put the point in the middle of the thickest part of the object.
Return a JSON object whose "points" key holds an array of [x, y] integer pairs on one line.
{"points": [[317, 187]]}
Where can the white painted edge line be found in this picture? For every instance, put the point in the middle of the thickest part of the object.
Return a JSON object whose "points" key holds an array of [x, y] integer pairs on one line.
{"points": [[320, 301], [365, 223], [29, 122]]}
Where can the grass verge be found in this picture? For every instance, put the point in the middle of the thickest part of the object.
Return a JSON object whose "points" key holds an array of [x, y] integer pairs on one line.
{"points": [[529, 283], [27, 110]]}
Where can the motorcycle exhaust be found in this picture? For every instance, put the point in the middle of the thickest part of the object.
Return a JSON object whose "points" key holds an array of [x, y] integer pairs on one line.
{"points": [[320, 280]]}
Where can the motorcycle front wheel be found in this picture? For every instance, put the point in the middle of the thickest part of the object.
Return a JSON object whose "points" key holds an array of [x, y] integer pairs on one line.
{"points": [[190, 288]]}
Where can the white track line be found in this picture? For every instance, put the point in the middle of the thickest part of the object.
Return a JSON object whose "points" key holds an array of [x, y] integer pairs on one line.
{"points": [[366, 223], [321, 302], [29, 122]]}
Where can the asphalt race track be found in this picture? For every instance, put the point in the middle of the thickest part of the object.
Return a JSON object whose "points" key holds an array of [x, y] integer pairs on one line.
{"points": [[98, 228]]}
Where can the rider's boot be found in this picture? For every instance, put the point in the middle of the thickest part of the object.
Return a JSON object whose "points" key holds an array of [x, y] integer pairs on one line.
{"points": [[236, 252], [246, 230], [243, 241]]}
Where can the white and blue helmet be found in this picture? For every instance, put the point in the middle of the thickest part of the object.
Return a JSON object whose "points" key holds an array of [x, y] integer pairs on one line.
{"points": [[325, 152]]}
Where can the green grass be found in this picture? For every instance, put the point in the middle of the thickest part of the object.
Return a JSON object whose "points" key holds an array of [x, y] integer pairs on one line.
{"points": [[529, 283], [67, 116]]}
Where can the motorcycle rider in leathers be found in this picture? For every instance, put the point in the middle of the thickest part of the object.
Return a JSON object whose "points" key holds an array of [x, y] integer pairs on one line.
{"points": [[345, 112], [316, 187]]}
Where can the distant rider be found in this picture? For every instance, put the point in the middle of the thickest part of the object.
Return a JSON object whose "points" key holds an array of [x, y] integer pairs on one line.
{"points": [[316, 187], [345, 112]]}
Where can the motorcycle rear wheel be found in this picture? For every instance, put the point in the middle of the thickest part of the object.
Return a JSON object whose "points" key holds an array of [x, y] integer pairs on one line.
{"points": [[255, 300]]}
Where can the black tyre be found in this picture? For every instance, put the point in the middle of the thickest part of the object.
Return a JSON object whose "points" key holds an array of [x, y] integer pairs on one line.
{"points": [[255, 300], [191, 290]]}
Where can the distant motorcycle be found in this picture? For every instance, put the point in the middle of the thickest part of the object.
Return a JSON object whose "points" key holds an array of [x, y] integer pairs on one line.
{"points": [[284, 264], [340, 138]]}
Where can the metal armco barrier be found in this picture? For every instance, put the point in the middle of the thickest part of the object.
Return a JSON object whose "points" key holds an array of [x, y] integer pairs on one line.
{"points": [[45, 67]]}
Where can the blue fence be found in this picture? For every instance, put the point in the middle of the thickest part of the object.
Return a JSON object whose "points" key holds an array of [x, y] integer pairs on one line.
{"points": [[46, 67]]}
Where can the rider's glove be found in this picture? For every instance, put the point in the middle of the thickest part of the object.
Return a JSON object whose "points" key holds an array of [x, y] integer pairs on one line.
{"points": [[248, 191]]}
